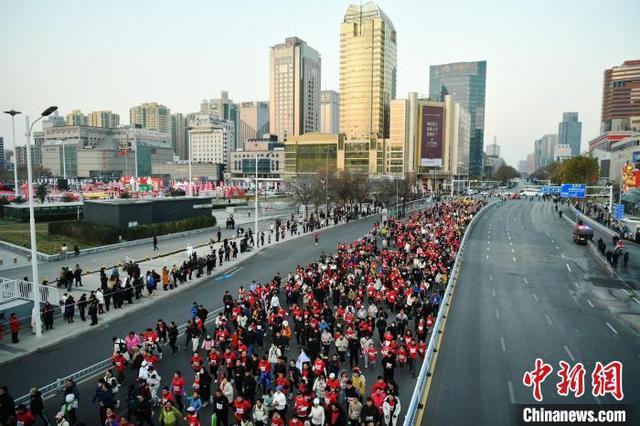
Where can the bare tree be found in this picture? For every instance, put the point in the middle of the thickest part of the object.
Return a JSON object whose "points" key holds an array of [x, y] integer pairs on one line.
{"points": [[303, 187]]}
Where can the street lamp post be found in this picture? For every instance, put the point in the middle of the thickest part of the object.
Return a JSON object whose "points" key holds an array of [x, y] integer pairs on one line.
{"points": [[255, 214], [13, 114], [326, 182], [35, 313]]}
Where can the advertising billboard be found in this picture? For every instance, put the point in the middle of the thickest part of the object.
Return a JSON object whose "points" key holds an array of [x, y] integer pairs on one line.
{"points": [[431, 136]]}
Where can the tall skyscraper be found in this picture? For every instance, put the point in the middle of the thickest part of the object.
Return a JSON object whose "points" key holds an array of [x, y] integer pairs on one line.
{"points": [[466, 83], [151, 116], [253, 121], [180, 136], [570, 132], [329, 111], [368, 68], [544, 150], [210, 138], [76, 118], [620, 96], [106, 119], [294, 88], [226, 109]]}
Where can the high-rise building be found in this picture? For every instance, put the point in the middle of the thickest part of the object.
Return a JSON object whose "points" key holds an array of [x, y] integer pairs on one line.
{"points": [[36, 148], [620, 96], [76, 118], [466, 83], [151, 116], [294, 88], [570, 132], [493, 150], [106, 119], [180, 136], [2, 159], [329, 111], [253, 121], [54, 120], [226, 109], [368, 72], [544, 150], [523, 167], [210, 138]]}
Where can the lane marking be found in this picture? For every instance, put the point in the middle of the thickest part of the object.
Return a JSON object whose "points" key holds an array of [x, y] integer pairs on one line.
{"points": [[557, 248], [535, 297], [553, 241], [566, 349], [487, 257], [526, 281], [487, 248], [497, 314], [513, 251], [512, 398], [491, 277], [635, 299], [611, 327], [514, 258], [504, 348], [562, 255], [510, 243], [548, 320], [493, 292], [548, 234], [568, 267], [590, 304]]}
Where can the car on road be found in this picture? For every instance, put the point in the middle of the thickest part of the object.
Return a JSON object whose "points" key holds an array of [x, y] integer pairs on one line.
{"points": [[582, 234], [515, 196]]}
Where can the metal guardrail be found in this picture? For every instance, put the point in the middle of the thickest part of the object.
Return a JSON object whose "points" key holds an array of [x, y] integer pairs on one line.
{"points": [[412, 409], [20, 289]]}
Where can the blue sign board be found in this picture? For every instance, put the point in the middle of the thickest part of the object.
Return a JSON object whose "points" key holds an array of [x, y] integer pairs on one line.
{"points": [[550, 189], [618, 211], [636, 157], [573, 190]]}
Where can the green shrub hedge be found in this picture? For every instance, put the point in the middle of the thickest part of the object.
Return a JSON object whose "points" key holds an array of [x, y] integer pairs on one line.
{"points": [[107, 234]]}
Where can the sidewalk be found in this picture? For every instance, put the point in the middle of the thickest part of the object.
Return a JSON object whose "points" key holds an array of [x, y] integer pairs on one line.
{"points": [[62, 330]]}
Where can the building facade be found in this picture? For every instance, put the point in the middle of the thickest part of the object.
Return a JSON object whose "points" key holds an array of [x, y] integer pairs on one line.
{"points": [[620, 96], [180, 170], [270, 155], [106, 119], [329, 111], [210, 139], [151, 116], [76, 118], [466, 83], [180, 136], [253, 121], [3, 164], [313, 152], [368, 72], [294, 88], [570, 132], [226, 110], [544, 150]]}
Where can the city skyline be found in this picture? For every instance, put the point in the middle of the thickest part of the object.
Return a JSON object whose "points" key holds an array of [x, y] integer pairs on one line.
{"points": [[566, 62]]}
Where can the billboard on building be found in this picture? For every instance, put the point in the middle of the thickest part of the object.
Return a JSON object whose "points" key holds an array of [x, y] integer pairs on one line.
{"points": [[431, 135]]}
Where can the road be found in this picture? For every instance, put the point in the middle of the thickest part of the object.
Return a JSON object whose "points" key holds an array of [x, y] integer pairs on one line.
{"points": [[69, 356], [526, 291]]}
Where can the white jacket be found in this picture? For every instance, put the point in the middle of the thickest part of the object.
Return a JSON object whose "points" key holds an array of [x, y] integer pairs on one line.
{"points": [[391, 414], [274, 353], [279, 401], [317, 415]]}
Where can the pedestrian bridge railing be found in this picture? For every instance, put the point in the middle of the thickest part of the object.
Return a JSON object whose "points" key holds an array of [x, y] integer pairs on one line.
{"points": [[414, 404], [20, 289]]}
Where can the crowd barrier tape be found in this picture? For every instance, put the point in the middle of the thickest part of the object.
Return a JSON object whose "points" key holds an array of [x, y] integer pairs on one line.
{"points": [[413, 406]]}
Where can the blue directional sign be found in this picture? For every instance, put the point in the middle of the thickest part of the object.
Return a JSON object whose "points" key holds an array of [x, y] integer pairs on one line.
{"points": [[573, 190], [550, 189], [618, 211]]}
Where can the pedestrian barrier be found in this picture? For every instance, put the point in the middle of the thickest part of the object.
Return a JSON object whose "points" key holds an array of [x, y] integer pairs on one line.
{"points": [[413, 407], [20, 289]]}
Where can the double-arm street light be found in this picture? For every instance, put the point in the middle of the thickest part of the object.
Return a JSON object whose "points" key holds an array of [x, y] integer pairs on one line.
{"points": [[13, 114], [35, 314], [326, 181]]}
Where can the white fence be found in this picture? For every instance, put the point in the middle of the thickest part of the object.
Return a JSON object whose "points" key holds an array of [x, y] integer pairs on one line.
{"points": [[19, 289]]}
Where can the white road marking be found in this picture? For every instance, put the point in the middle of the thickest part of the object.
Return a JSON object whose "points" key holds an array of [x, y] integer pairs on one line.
{"points": [[562, 255], [504, 348], [508, 237], [497, 314], [635, 299], [548, 234], [589, 303], [557, 248], [491, 277], [487, 257], [536, 297], [568, 267], [510, 243], [566, 349], [487, 248], [512, 398], [493, 292], [611, 327], [553, 241], [514, 258], [526, 281], [548, 320]]}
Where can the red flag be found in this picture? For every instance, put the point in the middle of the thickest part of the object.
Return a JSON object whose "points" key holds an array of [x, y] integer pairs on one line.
{"points": [[122, 153]]}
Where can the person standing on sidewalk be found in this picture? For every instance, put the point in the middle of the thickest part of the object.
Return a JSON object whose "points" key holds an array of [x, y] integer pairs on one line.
{"points": [[14, 326], [155, 243], [77, 275]]}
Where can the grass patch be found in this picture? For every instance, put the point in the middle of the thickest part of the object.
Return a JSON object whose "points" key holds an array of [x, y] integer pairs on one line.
{"points": [[18, 233]]}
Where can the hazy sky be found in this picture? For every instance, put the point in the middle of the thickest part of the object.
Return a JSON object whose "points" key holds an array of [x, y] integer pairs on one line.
{"points": [[543, 57]]}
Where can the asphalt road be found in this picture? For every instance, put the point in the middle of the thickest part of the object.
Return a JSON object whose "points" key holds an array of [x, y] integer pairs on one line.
{"points": [[525, 291], [45, 366]]}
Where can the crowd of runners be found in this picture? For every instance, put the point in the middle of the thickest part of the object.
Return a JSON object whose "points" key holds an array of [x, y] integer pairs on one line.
{"points": [[296, 350]]}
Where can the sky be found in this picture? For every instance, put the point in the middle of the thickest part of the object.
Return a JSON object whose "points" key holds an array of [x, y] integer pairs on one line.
{"points": [[543, 57]]}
